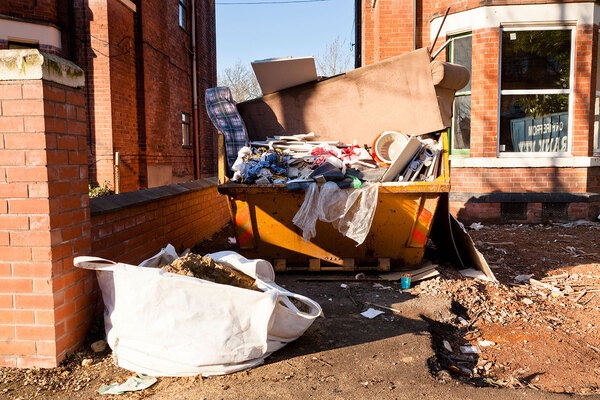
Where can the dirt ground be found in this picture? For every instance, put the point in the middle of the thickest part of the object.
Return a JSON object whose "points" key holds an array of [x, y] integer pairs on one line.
{"points": [[535, 342]]}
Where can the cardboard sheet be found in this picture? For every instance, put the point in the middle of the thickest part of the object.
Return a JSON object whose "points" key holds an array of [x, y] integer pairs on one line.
{"points": [[276, 74]]}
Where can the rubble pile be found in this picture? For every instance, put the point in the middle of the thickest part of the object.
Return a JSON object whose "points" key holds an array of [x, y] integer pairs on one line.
{"points": [[206, 268], [501, 338]]}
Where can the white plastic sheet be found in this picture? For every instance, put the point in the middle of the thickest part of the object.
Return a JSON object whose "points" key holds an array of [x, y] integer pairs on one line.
{"points": [[351, 211], [307, 215], [163, 324]]}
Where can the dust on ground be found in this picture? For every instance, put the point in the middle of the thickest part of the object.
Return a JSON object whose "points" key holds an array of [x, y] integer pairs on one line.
{"points": [[539, 330], [533, 339]]}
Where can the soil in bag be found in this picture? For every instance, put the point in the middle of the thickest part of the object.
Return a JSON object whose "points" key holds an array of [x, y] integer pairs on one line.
{"points": [[206, 268]]}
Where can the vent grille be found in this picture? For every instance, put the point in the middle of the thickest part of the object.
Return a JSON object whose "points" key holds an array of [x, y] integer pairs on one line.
{"points": [[513, 211], [555, 211]]}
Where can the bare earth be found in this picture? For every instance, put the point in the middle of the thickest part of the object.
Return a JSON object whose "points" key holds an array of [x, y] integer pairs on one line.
{"points": [[545, 345]]}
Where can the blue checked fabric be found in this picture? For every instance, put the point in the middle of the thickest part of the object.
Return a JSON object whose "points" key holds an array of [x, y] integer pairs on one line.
{"points": [[224, 115]]}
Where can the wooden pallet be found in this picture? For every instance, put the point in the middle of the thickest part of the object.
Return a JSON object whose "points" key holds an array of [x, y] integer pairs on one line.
{"points": [[314, 265]]}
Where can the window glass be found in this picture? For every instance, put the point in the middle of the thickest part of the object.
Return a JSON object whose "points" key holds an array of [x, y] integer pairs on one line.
{"points": [[535, 91], [462, 50], [14, 45], [462, 123], [461, 53], [185, 129], [536, 59], [534, 123], [183, 14]]}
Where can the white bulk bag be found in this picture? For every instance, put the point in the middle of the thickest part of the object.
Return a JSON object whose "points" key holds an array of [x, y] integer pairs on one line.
{"points": [[164, 324]]}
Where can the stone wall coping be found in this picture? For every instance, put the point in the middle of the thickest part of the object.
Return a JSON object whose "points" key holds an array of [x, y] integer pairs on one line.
{"points": [[30, 64], [525, 197], [116, 202], [529, 161]]}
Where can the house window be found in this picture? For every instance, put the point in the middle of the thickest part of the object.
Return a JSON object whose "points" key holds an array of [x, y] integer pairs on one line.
{"points": [[183, 19], [16, 45], [535, 91], [460, 52], [185, 130]]}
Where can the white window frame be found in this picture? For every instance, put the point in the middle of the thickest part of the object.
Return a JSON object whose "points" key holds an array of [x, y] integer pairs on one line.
{"points": [[569, 91]]}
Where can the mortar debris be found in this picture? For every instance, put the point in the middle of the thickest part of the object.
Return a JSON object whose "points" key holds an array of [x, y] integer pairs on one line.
{"points": [[208, 269]]}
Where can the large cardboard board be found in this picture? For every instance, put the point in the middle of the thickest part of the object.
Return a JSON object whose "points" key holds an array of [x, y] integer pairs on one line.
{"points": [[395, 94], [281, 73]]}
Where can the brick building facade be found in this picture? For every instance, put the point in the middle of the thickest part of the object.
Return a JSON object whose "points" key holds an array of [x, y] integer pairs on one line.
{"points": [[143, 127], [525, 140]]}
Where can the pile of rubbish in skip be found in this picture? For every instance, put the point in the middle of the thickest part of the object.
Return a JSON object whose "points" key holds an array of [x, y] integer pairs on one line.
{"points": [[298, 160], [325, 168], [188, 315]]}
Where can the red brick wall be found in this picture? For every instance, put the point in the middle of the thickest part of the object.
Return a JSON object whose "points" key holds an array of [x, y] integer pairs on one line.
{"points": [[139, 83], [134, 233], [584, 90], [483, 180], [168, 83], [123, 93], [207, 77], [44, 10], [45, 304], [388, 29], [95, 59]]}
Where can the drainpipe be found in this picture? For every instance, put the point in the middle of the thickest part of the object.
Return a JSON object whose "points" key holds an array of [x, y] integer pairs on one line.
{"points": [[358, 33], [195, 94], [414, 24]]}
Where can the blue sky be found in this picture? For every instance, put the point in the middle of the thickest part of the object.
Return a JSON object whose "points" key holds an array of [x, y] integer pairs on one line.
{"points": [[254, 32]]}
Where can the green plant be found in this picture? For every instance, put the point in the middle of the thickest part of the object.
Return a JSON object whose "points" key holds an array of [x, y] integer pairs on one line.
{"points": [[99, 191]]}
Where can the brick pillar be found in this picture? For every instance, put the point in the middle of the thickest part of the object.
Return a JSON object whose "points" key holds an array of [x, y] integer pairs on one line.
{"points": [[45, 304], [584, 90], [484, 92]]}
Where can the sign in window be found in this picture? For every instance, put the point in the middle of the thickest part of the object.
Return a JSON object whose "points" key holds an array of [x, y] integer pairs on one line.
{"points": [[535, 91]]}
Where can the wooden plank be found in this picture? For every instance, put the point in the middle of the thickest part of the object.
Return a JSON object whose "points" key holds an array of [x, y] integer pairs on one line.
{"points": [[349, 264], [314, 264], [280, 264], [383, 264]]}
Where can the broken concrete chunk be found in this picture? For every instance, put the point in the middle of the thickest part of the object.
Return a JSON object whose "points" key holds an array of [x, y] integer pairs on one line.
{"points": [[523, 278], [470, 349], [447, 345], [99, 346], [86, 362]]}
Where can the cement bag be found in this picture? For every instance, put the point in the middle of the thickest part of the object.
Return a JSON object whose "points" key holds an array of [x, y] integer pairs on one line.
{"points": [[164, 324]]}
